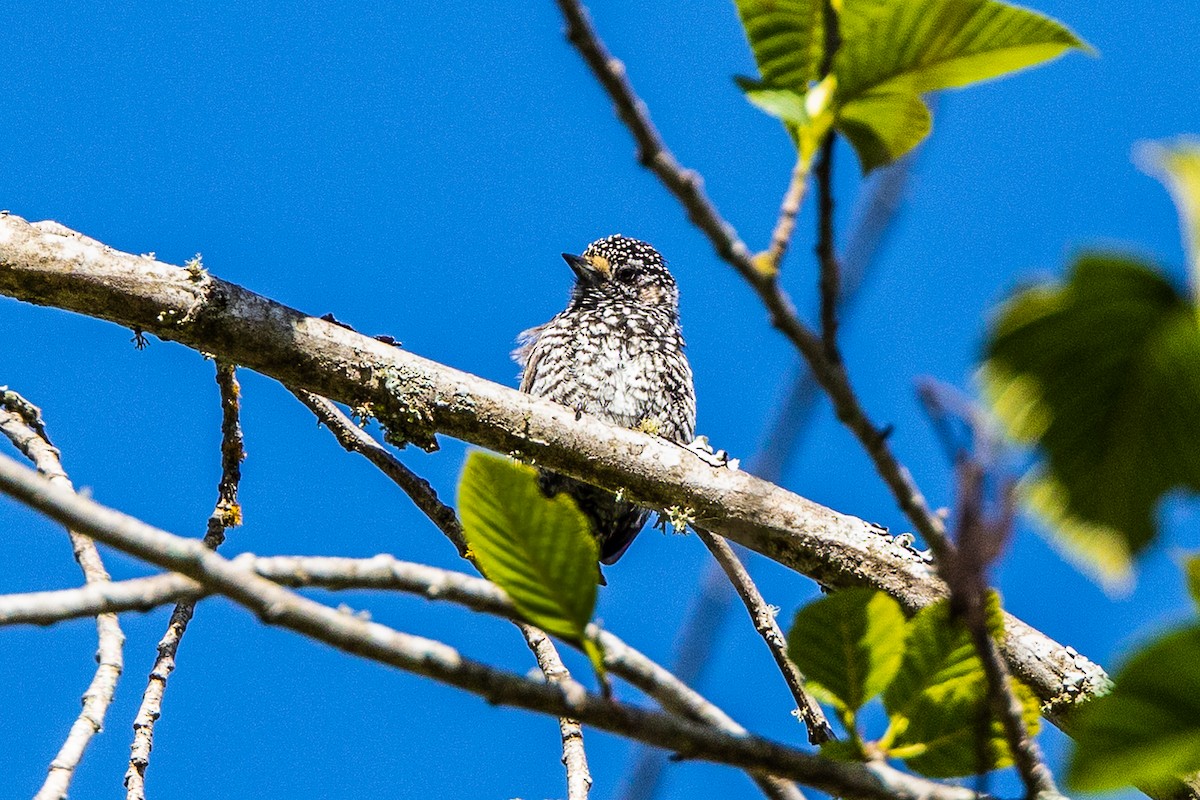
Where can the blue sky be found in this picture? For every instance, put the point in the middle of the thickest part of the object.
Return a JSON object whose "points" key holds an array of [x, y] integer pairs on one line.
{"points": [[416, 169]]}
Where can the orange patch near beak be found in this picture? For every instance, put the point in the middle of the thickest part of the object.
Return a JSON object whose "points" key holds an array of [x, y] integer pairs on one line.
{"points": [[600, 264]]}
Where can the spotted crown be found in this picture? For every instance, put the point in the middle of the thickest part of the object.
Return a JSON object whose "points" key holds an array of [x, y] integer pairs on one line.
{"points": [[637, 272]]}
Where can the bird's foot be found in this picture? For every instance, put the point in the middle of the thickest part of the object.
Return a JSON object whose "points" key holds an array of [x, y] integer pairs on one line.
{"points": [[716, 458]]}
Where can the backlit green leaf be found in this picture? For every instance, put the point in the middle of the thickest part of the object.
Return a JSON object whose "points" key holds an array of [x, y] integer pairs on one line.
{"points": [[1102, 375], [1177, 164], [1148, 729], [786, 37], [898, 50], [848, 645], [539, 550], [884, 125], [925, 45], [856, 17], [785, 104], [1191, 570], [938, 705]]}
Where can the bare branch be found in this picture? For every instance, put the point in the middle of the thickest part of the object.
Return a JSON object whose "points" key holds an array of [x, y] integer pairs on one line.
{"points": [[226, 514], [355, 440], [768, 628], [652, 679], [686, 186], [574, 759], [831, 270], [282, 607], [875, 210], [785, 226], [414, 397], [21, 422]]}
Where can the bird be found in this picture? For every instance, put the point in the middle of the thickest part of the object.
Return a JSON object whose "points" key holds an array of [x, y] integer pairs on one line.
{"points": [[617, 353]]}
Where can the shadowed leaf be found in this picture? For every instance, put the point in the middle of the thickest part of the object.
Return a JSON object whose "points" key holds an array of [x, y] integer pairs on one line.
{"points": [[1102, 375], [1148, 729], [883, 125], [1192, 573]]}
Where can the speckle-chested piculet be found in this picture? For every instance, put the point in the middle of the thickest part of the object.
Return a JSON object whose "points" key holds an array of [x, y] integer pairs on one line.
{"points": [[615, 353]]}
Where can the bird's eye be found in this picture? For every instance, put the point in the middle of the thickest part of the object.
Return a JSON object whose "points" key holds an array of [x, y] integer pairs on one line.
{"points": [[623, 274]]}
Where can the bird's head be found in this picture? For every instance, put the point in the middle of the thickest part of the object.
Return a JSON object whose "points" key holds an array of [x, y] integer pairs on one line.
{"points": [[620, 268]]}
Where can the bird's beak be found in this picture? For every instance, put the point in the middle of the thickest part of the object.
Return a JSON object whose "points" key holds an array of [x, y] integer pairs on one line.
{"points": [[588, 268]]}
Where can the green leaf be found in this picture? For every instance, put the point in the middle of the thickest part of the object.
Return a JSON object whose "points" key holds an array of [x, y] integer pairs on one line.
{"points": [[784, 104], [901, 117], [787, 38], [1148, 729], [1192, 573], [539, 550], [940, 717], [1177, 165], [925, 45], [856, 17], [843, 750], [1102, 374], [898, 50], [848, 645]]}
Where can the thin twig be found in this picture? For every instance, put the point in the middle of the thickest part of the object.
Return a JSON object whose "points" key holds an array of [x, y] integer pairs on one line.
{"points": [[830, 283], [574, 758], [226, 514], [21, 422], [875, 210], [980, 539], [1027, 755], [381, 573], [768, 628], [652, 152], [785, 226], [276, 605], [687, 187], [355, 440], [979, 542]]}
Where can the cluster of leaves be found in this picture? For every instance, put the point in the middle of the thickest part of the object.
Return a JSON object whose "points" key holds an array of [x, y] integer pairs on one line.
{"points": [[891, 53], [856, 645], [1147, 730], [1101, 374], [539, 550]]}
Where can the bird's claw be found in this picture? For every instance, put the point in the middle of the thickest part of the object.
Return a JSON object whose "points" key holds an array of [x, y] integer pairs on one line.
{"points": [[716, 458]]}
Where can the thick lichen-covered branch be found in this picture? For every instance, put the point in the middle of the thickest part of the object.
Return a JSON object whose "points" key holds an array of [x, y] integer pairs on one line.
{"points": [[50, 265]]}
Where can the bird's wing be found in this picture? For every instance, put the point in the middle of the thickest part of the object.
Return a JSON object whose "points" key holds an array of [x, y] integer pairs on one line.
{"points": [[528, 354]]}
